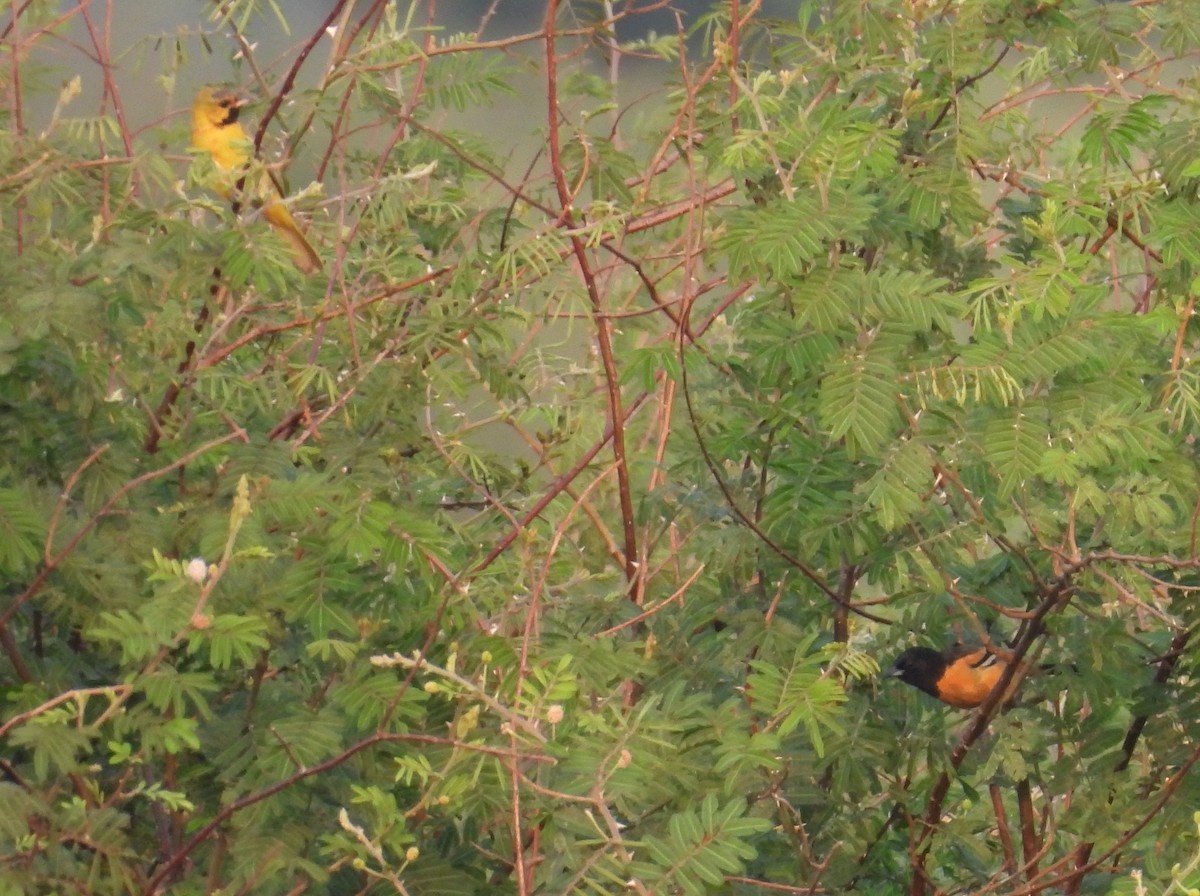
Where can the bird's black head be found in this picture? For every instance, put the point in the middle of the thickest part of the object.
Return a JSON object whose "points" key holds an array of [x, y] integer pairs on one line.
{"points": [[232, 109], [921, 667], [231, 104]]}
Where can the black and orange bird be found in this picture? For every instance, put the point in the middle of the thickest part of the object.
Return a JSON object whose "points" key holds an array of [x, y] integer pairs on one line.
{"points": [[215, 130], [962, 675]]}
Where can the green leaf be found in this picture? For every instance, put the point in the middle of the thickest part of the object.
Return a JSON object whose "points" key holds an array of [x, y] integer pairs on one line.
{"points": [[1015, 442], [858, 402]]}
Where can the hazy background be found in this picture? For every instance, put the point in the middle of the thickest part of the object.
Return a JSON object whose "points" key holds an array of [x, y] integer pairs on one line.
{"points": [[150, 41]]}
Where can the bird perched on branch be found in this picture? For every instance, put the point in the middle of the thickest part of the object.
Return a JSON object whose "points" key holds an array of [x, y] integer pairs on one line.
{"points": [[215, 130], [962, 676]]}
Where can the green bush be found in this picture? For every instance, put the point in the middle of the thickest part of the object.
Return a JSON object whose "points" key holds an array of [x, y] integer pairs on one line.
{"points": [[552, 539]]}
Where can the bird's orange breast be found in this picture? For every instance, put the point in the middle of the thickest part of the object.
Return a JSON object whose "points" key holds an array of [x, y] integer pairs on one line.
{"points": [[968, 682]]}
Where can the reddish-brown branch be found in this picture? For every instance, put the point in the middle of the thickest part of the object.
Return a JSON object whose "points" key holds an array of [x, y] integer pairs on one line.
{"points": [[183, 374], [289, 79], [603, 327], [1166, 668], [1002, 829], [1029, 838]]}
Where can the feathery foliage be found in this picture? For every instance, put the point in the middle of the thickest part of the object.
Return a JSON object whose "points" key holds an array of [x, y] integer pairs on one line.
{"points": [[553, 538]]}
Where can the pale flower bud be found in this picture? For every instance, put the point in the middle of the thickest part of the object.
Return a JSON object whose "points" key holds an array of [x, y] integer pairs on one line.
{"points": [[197, 570]]}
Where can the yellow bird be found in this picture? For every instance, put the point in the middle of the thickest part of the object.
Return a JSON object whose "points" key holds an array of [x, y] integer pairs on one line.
{"points": [[216, 131]]}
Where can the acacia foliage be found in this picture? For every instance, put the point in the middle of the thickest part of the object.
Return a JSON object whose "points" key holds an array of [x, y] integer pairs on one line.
{"points": [[551, 539]]}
